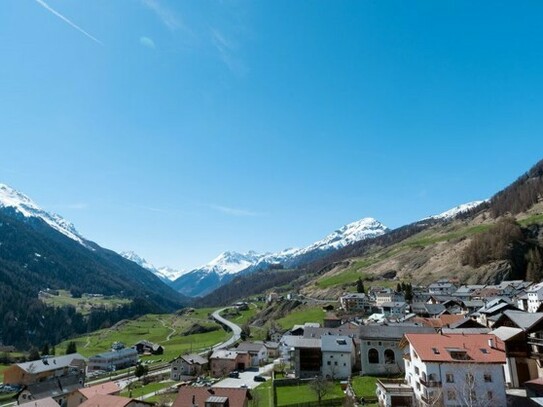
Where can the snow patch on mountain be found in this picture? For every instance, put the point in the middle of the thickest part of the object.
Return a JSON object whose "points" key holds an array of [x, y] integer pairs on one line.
{"points": [[10, 198], [165, 273], [452, 213], [231, 262]]}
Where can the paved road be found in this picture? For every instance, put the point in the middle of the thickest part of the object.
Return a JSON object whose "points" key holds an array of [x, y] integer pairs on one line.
{"points": [[236, 330]]}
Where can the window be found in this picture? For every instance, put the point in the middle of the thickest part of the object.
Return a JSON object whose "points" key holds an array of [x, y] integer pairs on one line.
{"points": [[390, 357], [373, 356], [418, 386], [380, 343], [335, 363], [451, 395], [488, 377], [417, 371], [449, 378], [369, 343], [489, 395], [328, 363]]}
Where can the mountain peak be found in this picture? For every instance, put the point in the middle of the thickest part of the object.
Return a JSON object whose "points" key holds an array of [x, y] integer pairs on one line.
{"points": [[451, 213], [11, 198], [165, 273]]}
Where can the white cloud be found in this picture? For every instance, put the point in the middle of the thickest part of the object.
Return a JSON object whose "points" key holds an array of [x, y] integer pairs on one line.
{"points": [[227, 49], [234, 211], [168, 18], [147, 42], [66, 20]]}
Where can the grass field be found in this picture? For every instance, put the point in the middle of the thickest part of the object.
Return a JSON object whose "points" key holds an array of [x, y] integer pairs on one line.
{"points": [[364, 386], [303, 394], [83, 304], [302, 315], [262, 395], [534, 219], [164, 329], [241, 317], [139, 389]]}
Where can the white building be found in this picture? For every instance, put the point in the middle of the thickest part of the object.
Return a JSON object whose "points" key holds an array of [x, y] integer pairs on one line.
{"points": [[388, 295], [355, 302], [535, 297], [455, 369], [338, 356], [111, 361]]}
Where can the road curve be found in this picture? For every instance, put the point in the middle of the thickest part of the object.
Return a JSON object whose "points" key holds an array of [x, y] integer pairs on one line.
{"points": [[236, 330]]}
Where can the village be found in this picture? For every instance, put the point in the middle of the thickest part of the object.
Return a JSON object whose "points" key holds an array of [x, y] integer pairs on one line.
{"points": [[445, 344]]}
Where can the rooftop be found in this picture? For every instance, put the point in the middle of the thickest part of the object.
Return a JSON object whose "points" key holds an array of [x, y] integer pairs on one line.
{"points": [[457, 348], [104, 388], [48, 364]]}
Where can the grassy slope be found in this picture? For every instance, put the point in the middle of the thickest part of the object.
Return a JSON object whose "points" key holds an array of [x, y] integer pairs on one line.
{"points": [[84, 304], [302, 315], [155, 328], [431, 242]]}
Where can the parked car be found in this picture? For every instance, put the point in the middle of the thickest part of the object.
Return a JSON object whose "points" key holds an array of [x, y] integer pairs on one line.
{"points": [[234, 374], [259, 379]]}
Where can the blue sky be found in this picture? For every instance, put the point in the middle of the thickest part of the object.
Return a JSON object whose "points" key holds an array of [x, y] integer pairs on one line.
{"points": [[180, 129]]}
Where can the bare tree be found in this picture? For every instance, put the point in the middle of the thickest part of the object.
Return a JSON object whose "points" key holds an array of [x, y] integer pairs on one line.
{"points": [[320, 386]]}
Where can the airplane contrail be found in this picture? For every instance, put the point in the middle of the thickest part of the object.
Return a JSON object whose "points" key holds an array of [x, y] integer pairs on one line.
{"points": [[56, 13]]}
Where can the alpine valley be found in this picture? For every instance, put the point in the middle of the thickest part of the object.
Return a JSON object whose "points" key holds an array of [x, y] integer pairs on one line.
{"points": [[40, 251]]}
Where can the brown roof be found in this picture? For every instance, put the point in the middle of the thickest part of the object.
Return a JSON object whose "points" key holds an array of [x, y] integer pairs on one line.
{"points": [[104, 388], [106, 400], [236, 397], [457, 348], [46, 402], [440, 321]]}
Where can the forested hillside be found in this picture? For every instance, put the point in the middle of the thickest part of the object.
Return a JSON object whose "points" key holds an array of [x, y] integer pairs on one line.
{"points": [[33, 257]]}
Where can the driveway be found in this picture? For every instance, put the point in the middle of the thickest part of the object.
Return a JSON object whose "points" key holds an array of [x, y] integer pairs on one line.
{"points": [[246, 378]]}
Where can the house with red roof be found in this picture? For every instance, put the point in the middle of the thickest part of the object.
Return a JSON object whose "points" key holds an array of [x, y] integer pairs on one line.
{"points": [[79, 396], [453, 369]]}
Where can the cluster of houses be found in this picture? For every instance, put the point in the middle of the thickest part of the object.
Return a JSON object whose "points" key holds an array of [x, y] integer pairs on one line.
{"points": [[450, 345], [60, 380]]}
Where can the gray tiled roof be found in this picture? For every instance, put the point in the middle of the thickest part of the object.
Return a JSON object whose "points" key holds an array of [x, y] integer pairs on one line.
{"points": [[333, 343], [524, 320], [47, 364]]}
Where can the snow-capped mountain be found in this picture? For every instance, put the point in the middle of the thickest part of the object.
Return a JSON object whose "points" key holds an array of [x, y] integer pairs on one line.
{"points": [[10, 198], [165, 273], [452, 213], [227, 265], [231, 262]]}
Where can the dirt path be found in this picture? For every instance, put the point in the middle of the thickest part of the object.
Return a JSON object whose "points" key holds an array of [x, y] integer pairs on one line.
{"points": [[173, 331]]}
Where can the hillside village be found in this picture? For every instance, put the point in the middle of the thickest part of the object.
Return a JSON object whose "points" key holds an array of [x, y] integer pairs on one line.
{"points": [[444, 344]]}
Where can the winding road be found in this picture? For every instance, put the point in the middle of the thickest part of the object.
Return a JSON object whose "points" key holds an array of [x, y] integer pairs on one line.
{"points": [[236, 330]]}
